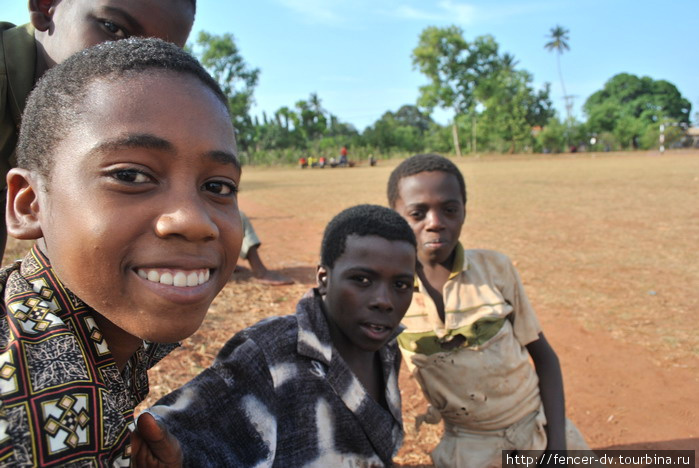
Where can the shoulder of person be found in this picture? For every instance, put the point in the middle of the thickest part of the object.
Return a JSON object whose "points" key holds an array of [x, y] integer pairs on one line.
{"points": [[488, 257], [5, 25]]}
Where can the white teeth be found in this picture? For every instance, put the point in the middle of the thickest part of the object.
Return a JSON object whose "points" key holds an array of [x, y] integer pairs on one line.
{"points": [[180, 279], [166, 278], [192, 279], [177, 278]]}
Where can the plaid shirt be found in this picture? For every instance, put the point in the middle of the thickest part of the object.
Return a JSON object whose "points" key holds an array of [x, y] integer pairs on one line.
{"points": [[63, 400], [279, 395]]}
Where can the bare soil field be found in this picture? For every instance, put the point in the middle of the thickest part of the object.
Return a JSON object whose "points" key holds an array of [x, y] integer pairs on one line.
{"points": [[608, 248]]}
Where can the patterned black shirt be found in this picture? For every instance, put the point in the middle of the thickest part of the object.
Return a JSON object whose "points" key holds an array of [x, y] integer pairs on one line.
{"points": [[279, 395]]}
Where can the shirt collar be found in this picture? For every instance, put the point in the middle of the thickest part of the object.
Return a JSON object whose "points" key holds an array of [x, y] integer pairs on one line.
{"points": [[460, 264]]}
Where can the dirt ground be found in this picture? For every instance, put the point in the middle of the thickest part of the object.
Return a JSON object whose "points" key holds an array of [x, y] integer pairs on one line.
{"points": [[607, 245]]}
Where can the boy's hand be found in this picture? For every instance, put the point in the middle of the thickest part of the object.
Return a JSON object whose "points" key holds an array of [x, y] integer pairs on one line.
{"points": [[152, 446]]}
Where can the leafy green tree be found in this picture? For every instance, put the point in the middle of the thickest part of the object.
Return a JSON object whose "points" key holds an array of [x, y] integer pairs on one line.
{"points": [[221, 57], [511, 109], [454, 67], [558, 41], [403, 130], [312, 118], [628, 105]]}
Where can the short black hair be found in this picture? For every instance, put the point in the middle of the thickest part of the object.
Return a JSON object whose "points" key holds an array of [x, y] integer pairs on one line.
{"points": [[422, 163], [362, 220], [53, 107]]}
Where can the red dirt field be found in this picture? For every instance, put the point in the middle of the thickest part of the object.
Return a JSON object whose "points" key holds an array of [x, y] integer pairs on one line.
{"points": [[607, 248], [607, 245]]}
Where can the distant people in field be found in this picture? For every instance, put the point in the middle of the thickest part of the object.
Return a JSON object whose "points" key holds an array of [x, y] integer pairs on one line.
{"points": [[343, 162], [319, 387], [471, 332]]}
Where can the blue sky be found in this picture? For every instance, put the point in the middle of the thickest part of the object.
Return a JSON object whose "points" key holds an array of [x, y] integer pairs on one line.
{"points": [[356, 53]]}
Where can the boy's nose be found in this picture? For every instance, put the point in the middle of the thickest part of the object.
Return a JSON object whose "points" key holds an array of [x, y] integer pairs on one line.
{"points": [[434, 220], [188, 218], [382, 299]]}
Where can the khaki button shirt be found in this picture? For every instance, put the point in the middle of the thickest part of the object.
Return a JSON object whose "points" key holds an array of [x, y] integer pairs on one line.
{"points": [[489, 383]]}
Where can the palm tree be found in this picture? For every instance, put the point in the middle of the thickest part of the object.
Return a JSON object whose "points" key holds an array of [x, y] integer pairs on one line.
{"points": [[509, 62], [559, 42]]}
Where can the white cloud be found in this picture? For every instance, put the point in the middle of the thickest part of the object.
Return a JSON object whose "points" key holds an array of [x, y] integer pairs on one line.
{"points": [[318, 11], [467, 13]]}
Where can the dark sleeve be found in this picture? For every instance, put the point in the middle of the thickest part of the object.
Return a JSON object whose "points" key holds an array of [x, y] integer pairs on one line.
{"points": [[226, 416]]}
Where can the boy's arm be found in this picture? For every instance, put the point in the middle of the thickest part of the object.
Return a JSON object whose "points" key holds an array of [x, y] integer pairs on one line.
{"points": [[548, 369], [152, 445], [226, 416]]}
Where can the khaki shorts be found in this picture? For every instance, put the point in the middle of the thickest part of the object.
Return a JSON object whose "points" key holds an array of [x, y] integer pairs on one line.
{"points": [[460, 448]]}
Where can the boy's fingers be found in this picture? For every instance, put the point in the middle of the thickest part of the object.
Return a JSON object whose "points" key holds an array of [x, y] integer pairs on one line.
{"points": [[154, 446]]}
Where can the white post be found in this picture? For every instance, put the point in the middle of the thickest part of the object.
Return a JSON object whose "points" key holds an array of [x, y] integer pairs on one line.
{"points": [[662, 138]]}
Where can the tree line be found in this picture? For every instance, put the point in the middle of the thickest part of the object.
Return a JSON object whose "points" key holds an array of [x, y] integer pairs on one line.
{"points": [[494, 105]]}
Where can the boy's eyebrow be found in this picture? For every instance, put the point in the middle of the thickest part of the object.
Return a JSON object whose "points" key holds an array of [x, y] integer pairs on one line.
{"points": [[148, 141], [224, 157], [363, 269], [134, 25], [138, 140]]}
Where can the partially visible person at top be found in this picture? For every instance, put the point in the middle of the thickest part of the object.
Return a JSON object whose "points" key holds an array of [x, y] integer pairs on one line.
{"points": [[127, 179], [471, 331], [250, 251], [319, 387], [59, 28]]}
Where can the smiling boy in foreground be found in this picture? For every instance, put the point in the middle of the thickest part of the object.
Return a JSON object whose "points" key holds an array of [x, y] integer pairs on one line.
{"points": [[320, 387], [127, 178]]}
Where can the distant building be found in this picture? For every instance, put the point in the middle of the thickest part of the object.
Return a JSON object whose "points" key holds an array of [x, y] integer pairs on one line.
{"points": [[692, 137]]}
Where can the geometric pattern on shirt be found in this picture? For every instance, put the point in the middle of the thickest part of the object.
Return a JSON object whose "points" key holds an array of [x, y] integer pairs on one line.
{"points": [[65, 421], [55, 361]]}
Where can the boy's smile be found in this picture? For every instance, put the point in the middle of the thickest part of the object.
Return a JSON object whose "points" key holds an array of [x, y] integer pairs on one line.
{"points": [[367, 292], [139, 216], [432, 204]]}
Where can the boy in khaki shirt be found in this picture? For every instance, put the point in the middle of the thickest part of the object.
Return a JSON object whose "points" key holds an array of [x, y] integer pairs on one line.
{"points": [[471, 332]]}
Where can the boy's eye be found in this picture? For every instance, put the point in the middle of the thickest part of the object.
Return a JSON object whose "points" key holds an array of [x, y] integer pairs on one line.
{"points": [[362, 280], [403, 285], [131, 176], [114, 29], [220, 188]]}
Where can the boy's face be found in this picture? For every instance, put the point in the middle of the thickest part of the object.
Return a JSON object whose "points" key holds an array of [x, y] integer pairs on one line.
{"points": [[140, 216], [431, 202], [78, 24], [368, 291]]}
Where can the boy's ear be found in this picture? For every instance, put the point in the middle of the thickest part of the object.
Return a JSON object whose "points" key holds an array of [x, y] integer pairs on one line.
{"points": [[22, 215], [41, 13], [322, 279]]}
